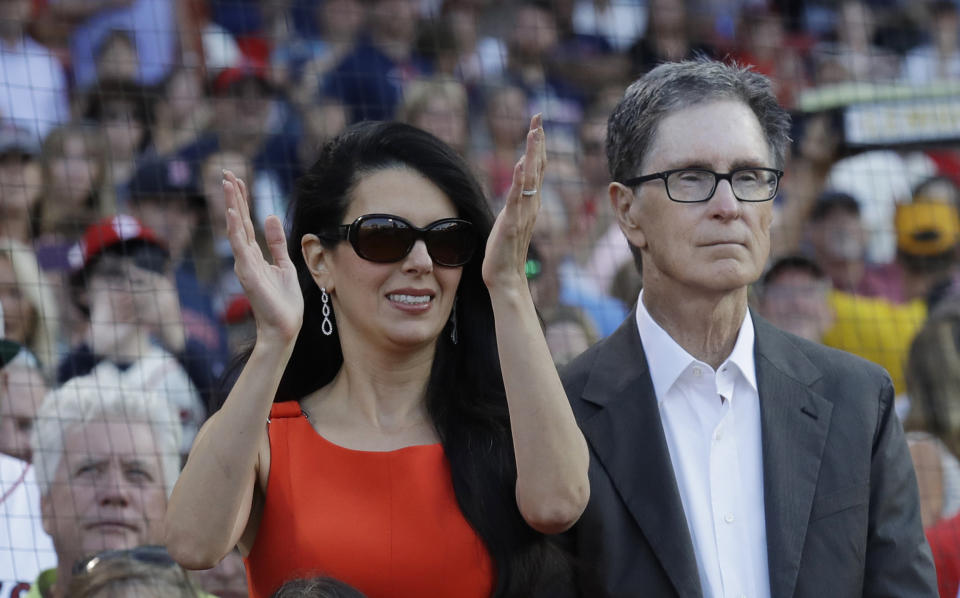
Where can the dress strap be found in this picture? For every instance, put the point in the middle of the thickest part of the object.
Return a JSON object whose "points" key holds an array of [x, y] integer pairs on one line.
{"points": [[286, 409]]}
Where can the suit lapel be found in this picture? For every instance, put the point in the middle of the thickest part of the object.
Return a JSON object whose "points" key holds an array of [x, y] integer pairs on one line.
{"points": [[627, 436], [794, 425]]}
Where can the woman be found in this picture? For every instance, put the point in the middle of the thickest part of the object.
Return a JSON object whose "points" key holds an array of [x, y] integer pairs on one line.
{"points": [[397, 458], [30, 313]]}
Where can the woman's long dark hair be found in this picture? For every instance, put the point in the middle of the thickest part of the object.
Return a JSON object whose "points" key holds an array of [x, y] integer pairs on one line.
{"points": [[465, 394]]}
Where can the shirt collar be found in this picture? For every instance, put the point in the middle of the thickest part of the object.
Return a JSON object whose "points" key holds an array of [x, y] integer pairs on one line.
{"points": [[667, 360]]}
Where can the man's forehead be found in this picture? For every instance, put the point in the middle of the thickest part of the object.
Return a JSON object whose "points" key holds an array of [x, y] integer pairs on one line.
{"points": [[113, 437], [712, 134]]}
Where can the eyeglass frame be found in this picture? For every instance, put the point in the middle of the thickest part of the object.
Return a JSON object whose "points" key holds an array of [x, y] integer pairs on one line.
{"points": [[717, 177], [148, 554], [350, 233]]}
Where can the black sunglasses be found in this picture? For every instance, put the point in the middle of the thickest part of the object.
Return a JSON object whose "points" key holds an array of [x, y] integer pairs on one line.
{"points": [[149, 555], [384, 238]]}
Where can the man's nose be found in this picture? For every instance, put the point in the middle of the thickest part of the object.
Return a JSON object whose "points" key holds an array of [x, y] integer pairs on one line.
{"points": [[724, 204], [113, 489]]}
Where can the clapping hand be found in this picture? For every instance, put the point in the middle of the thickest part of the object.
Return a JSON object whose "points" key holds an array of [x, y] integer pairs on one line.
{"points": [[273, 289], [506, 254]]}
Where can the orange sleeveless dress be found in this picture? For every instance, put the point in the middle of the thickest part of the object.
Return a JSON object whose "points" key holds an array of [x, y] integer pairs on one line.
{"points": [[386, 523]]}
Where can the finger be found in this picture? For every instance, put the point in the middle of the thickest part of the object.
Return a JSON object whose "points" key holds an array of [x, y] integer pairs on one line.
{"points": [[231, 194], [248, 220], [533, 156], [276, 241]]}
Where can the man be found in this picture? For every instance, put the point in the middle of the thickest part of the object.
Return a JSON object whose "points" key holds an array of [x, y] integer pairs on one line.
{"points": [[106, 456], [25, 549], [794, 295], [22, 388], [728, 458], [136, 331]]}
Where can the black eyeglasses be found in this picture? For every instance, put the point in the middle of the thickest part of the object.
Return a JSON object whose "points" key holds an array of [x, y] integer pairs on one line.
{"points": [[694, 185], [384, 238], [149, 555]]}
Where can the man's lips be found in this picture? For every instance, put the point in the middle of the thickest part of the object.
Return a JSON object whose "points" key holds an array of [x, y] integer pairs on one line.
{"points": [[109, 525]]}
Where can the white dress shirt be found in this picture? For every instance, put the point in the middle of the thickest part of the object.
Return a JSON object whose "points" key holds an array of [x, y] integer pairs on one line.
{"points": [[711, 420], [25, 548]]}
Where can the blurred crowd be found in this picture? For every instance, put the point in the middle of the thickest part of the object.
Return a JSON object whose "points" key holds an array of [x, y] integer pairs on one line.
{"points": [[117, 118]]}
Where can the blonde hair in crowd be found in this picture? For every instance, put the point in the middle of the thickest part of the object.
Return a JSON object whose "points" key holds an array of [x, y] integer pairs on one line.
{"points": [[44, 332], [102, 397]]}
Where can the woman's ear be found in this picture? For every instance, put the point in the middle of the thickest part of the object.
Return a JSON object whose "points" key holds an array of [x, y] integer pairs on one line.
{"points": [[316, 257]]}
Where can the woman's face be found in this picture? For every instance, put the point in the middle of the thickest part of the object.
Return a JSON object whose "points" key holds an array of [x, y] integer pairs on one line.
{"points": [[183, 96], [124, 131], [382, 304], [19, 315], [73, 171]]}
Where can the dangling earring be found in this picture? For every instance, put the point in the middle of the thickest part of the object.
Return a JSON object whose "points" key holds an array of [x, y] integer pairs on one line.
{"points": [[453, 322], [327, 326]]}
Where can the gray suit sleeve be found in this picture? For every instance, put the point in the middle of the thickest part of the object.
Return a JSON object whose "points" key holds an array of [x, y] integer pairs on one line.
{"points": [[898, 559]]}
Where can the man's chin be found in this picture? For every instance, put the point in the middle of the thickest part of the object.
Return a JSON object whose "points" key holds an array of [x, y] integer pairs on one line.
{"points": [[110, 538]]}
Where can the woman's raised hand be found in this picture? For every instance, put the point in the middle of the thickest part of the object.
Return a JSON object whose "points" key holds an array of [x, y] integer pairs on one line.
{"points": [[504, 264], [273, 289]]}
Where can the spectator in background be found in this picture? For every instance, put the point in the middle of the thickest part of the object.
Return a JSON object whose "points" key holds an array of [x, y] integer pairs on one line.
{"points": [[22, 388], [939, 58], [180, 112], [116, 58], [620, 23], [135, 330], [72, 194], [121, 109], [317, 587], [928, 239], [586, 59], [838, 240], [370, 80], [219, 276], [504, 108], [248, 118], [107, 456], [532, 43], [438, 106], [300, 64], [794, 295], [30, 310], [763, 42], [33, 88], [933, 412], [166, 196], [151, 24], [227, 580], [139, 571], [19, 183], [25, 549], [852, 56], [481, 58], [669, 36]]}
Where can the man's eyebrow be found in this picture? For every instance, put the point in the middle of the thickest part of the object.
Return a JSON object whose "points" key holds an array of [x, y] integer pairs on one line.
{"points": [[85, 461], [702, 165]]}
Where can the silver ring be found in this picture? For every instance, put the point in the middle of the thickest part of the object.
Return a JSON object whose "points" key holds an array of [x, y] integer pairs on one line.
{"points": [[529, 192]]}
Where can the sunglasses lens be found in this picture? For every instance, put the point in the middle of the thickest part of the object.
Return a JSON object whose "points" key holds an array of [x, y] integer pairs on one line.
{"points": [[383, 239], [451, 243]]}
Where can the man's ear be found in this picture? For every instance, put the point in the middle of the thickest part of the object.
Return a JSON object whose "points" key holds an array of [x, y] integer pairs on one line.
{"points": [[626, 208], [316, 257]]}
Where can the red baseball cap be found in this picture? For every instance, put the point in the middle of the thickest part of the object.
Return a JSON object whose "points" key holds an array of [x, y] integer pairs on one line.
{"points": [[120, 230]]}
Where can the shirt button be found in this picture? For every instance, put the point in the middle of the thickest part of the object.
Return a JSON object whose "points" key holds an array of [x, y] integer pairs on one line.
{"points": [[697, 371], [728, 517], [717, 436]]}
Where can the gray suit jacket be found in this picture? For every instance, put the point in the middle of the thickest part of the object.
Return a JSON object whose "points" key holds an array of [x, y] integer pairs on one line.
{"points": [[842, 511]]}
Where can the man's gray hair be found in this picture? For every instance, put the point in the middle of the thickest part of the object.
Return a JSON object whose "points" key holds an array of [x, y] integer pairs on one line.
{"points": [[677, 85], [102, 397]]}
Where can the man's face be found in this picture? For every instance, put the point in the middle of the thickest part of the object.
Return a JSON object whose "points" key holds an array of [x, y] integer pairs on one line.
{"points": [[798, 302], [715, 246], [21, 392], [108, 492]]}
